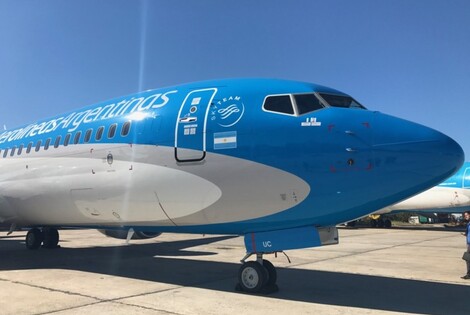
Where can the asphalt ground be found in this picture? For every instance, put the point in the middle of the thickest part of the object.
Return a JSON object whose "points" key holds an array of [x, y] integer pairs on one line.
{"points": [[372, 271]]}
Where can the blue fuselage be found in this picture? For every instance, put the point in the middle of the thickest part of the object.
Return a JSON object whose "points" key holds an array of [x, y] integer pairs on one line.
{"points": [[225, 156]]}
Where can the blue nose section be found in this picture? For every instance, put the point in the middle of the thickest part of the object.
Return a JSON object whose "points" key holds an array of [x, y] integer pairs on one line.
{"points": [[411, 156]]}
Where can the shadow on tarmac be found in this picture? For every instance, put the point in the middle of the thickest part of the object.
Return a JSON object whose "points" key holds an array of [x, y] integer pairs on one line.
{"points": [[150, 262], [423, 227]]}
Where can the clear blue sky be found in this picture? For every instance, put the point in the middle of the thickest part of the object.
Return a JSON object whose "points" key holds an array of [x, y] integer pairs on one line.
{"points": [[408, 58]]}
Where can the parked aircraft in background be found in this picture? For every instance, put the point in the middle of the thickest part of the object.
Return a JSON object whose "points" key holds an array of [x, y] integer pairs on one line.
{"points": [[280, 162], [450, 196]]}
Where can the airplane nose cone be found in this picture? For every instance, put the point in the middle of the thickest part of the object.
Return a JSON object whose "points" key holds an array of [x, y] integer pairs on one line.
{"points": [[410, 154]]}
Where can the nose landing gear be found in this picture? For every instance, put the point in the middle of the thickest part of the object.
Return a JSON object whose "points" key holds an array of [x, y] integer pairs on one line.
{"points": [[258, 276]]}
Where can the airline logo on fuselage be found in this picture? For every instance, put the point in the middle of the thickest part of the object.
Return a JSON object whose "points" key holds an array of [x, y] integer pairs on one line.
{"points": [[75, 119], [228, 111]]}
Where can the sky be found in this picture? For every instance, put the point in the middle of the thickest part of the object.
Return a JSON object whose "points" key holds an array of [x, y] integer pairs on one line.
{"points": [[407, 58]]}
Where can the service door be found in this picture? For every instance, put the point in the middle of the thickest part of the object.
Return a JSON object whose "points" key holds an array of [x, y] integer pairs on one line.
{"points": [[190, 132]]}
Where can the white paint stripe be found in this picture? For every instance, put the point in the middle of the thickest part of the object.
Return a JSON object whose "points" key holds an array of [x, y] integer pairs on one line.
{"points": [[222, 140]]}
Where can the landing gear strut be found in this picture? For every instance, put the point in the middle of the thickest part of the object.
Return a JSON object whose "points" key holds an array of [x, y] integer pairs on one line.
{"points": [[48, 237], [257, 276]]}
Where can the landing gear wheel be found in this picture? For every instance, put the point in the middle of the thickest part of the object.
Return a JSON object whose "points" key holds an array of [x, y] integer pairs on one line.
{"points": [[387, 223], [252, 277], [51, 238], [272, 273], [380, 223], [271, 285], [34, 238], [373, 223]]}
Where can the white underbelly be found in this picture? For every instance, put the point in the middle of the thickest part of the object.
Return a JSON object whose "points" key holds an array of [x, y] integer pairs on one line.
{"points": [[148, 187]]}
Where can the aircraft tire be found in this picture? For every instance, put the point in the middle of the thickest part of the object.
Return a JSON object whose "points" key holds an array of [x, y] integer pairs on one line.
{"points": [[51, 238], [373, 223], [387, 223], [272, 273], [380, 223], [252, 277], [34, 238]]}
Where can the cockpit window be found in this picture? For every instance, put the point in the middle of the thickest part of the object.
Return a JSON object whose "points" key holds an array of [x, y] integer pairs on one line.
{"points": [[279, 103], [341, 101], [307, 103]]}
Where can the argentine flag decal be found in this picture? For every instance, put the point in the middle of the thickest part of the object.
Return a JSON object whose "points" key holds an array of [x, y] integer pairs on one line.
{"points": [[225, 140]]}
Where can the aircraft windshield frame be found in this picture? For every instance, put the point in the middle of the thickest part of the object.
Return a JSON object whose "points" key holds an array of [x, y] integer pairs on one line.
{"points": [[299, 104], [295, 105], [343, 101]]}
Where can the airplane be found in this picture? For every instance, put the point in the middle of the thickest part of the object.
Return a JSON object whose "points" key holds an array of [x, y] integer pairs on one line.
{"points": [[279, 162], [450, 196]]}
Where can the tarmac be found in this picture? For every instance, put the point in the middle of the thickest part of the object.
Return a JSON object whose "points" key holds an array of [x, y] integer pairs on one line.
{"points": [[372, 271]]}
